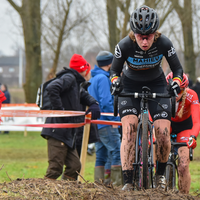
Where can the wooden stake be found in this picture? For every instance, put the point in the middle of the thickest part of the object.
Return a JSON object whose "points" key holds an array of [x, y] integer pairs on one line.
{"points": [[86, 133]]}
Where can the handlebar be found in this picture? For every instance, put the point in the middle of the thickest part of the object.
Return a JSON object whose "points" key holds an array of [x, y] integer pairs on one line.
{"points": [[146, 94], [181, 144]]}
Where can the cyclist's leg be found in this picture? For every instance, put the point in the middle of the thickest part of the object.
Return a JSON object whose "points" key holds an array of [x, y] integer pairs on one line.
{"points": [[129, 130], [128, 114], [162, 133], [184, 178]]}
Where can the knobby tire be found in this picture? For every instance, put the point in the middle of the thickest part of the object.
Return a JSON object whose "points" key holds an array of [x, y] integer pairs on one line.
{"points": [[145, 169], [170, 180]]}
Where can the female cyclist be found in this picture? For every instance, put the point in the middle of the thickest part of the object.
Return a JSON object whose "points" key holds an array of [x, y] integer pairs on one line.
{"points": [[143, 50], [186, 126]]}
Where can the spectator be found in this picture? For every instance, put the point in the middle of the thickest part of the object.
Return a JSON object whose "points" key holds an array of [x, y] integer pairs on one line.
{"points": [[4, 89], [2, 98], [109, 135], [65, 93], [190, 80], [196, 87], [93, 137]]}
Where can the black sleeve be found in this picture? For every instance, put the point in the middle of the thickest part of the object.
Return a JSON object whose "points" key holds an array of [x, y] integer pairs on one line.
{"points": [[172, 58], [86, 98], [118, 61], [56, 87]]}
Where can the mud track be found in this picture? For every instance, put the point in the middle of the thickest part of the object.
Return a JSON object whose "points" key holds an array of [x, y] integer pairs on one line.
{"points": [[55, 190]]}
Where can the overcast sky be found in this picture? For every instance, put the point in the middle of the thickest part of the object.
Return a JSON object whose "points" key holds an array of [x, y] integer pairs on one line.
{"points": [[9, 33]]}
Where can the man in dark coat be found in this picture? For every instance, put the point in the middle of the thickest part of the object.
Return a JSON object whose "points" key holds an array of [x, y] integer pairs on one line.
{"points": [[196, 87], [65, 94]]}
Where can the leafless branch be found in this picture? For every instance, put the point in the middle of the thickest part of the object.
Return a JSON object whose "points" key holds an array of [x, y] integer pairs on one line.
{"points": [[15, 6]]}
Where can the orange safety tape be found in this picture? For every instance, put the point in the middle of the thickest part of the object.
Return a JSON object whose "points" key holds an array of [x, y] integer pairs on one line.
{"points": [[106, 122], [69, 125], [43, 113], [20, 105], [40, 113]]}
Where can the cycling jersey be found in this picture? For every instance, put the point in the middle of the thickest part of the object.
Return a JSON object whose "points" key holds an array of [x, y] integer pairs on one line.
{"points": [[189, 123], [145, 65]]}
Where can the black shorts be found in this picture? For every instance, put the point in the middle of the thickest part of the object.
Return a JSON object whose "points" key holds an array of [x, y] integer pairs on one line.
{"points": [[131, 106], [178, 127]]}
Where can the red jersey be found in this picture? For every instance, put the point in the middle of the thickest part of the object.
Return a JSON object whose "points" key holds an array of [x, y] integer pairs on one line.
{"points": [[191, 108]]}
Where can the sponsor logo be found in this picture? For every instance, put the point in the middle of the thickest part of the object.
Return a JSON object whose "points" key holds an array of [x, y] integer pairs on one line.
{"points": [[118, 53], [124, 102], [145, 61], [140, 52], [165, 106], [164, 114], [171, 52], [131, 110], [195, 102], [137, 56], [152, 49], [184, 138], [156, 116]]}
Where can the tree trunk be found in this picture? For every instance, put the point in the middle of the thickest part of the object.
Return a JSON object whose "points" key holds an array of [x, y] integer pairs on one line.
{"points": [[31, 20], [185, 15], [112, 26]]}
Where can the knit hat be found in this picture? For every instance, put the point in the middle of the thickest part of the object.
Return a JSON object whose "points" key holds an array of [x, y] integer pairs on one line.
{"points": [[104, 58], [79, 63]]}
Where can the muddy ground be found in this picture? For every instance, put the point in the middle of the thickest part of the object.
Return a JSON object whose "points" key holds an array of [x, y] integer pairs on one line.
{"points": [[55, 190]]}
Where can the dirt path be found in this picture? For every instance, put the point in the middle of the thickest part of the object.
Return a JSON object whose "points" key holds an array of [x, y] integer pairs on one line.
{"points": [[56, 190]]}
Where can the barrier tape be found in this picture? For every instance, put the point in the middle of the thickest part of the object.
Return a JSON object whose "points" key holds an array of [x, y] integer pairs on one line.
{"points": [[40, 113], [19, 105], [44, 113], [50, 113], [69, 125]]}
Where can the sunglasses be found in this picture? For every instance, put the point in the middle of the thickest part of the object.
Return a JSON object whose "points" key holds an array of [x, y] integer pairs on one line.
{"points": [[143, 37]]}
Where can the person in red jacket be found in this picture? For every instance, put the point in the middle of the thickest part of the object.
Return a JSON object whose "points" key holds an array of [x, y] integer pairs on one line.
{"points": [[186, 126]]}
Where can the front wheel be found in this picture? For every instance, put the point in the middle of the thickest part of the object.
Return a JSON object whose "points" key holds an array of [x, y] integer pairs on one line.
{"points": [[145, 149]]}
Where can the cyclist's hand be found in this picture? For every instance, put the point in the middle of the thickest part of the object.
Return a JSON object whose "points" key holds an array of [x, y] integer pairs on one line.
{"points": [[116, 86], [173, 89], [192, 142]]}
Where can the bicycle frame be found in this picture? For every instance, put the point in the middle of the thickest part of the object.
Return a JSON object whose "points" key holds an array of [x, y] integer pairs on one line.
{"points": [[137, 164], [144, 126]]}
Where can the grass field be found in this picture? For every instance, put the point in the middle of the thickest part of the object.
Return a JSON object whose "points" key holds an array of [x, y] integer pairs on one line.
{"points": [[26, 157]]}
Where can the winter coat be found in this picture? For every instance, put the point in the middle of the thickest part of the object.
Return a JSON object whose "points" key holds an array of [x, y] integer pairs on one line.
{"points": [[7, 95], [196, 88], [93, 136], [64, 94], [100, 90]]}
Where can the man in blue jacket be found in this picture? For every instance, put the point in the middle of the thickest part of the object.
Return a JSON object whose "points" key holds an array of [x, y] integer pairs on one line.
{"points": [[109, 135]]}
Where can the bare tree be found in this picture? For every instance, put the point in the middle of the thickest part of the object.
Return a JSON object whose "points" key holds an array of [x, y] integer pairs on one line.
{"points": [[62, 18], [185, 15], [118, 12], [31, 20]]}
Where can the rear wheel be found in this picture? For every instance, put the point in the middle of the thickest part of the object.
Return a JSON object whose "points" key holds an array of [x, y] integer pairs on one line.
{"points": [[145, 151], [170, 177]]}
